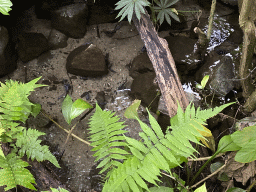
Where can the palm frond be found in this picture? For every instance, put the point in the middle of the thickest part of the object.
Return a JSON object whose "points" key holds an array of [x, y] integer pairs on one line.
{"points": [[128, 7]]}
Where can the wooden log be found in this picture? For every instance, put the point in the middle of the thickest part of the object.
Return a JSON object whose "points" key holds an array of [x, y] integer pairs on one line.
{"points": [[163, 63]]}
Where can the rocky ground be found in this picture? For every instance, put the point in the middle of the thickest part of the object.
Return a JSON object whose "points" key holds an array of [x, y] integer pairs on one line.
{"points": [[111, 90]]}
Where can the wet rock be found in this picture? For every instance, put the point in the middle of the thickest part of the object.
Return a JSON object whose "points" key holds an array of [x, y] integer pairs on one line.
{"points": [[101, 99], [205, 4], [236, 37], [31, 45], [57, 39], [86, 60], [43, 8], [182, 49], [245, 122], [71, 20], [230, 2], [221, 81], [102, 11], [221, 71], [144, 89], [141, 64], [8, 60]]}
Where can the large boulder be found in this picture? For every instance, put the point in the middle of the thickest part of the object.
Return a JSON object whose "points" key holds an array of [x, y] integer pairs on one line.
{"points": [[221, 71], [87, 60], [144, 89], [141, 64], [8, 58], [71, 20], [57, 39], [31, 45], [43, 8], [182, 50]]}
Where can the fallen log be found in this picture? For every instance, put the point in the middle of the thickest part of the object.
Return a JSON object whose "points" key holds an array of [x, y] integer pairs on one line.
{"points": [[163, 63]]}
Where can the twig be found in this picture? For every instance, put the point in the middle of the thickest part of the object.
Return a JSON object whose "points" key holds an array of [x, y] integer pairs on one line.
{"points": [[214, 173], [69, 132], [251, 186], [205, 158]]}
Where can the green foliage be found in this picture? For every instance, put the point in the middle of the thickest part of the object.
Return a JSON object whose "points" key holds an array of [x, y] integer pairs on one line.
{"points": [[15, 107], [201, 189], [13, 172], [243, 141], [72, 110], [14, 103], [154, 152], [105, 133], [128, 7], [5, 6], [203, 82], [29, 144], [164, 11], [131, 111]]}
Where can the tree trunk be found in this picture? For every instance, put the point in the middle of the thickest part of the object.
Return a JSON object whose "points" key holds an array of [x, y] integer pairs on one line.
{"points": [[163, 63]]}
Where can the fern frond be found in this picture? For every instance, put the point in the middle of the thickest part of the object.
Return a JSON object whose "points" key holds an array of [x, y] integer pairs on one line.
{"points": [[14, 103], [105, 133], [156, 151], [13, 172], [11, 129], [29, 144]]}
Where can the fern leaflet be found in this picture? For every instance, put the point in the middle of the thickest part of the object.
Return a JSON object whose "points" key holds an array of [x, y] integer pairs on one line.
{"points": [[13, 172], [105, 133], [14, 103], [28, 143]]}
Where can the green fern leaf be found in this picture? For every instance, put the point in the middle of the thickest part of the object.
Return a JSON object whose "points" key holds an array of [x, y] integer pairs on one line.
{"points": [[11, 129], [29, 144], [105, 131], [14, 103], [156, 151], [13, 172]]}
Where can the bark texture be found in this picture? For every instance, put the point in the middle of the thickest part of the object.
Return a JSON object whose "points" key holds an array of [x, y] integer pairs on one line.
{"points": [[163, 63]]}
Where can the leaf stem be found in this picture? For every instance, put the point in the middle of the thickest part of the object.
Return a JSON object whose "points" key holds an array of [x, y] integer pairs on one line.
{"points": [[69, 132], [205, 158]]}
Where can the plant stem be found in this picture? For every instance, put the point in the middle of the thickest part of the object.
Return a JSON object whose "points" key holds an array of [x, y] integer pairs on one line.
{"points": [[204, 158], [86, 142], [214, 173], [206, 163], [211, 19], [175, 180], [251, 186]]}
